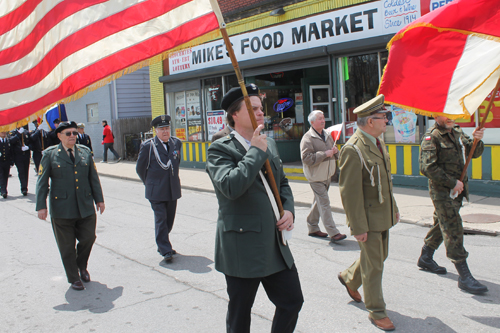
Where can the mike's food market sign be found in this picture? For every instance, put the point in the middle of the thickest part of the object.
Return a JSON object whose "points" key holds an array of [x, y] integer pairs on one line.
{"points": [[353, 23]]}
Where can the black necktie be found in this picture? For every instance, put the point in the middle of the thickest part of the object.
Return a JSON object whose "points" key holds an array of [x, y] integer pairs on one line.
{"points": [[71, 155]]}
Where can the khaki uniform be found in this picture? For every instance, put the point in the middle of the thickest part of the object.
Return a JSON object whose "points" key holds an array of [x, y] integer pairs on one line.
{"points": [[442, 159], [366, 192]]}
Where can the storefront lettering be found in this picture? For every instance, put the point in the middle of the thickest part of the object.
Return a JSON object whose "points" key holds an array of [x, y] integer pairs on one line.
{"points": [[276, 40], [301, 35]]}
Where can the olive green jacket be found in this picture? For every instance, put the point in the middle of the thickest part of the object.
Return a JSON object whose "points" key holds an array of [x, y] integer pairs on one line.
{"points": [[73, 188], [247, 242], [442, 160], [360, 198]]}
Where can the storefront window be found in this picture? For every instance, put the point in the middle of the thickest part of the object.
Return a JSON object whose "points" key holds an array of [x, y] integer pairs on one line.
{"points": [[179, 121], [184, 108]]}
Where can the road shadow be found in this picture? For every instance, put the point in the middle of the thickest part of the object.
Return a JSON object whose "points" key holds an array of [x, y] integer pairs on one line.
{"points": [[488, 321], [96, 298], [409, 324], [345, 245], [194, 264]]}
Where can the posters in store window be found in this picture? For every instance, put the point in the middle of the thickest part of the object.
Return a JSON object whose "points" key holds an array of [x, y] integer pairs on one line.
{"points": [[216, 121], [180, 116], [405, 125]]}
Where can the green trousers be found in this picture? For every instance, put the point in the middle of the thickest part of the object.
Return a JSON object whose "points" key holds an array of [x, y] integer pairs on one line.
{"points": [[448, 228], [367, 271], [67, 231]]}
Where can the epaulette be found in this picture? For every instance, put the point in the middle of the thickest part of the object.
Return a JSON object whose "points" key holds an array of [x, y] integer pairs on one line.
{"points": [[51, 147], [80, 146]]}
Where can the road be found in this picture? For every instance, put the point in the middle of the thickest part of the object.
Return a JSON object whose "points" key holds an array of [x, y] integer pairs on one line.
{"points": [[133, 290]]}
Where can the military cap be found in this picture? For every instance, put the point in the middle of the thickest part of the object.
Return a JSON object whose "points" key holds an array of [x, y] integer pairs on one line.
{"points": [[235, 94], [81, 125], [65, 124], [161, 121], [374, 105]]}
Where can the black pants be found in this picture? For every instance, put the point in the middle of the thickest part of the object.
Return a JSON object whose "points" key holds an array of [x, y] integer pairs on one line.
{"points": [[282, 288], [110, 147], [67, 231], [164, 221], [4, 176], [37, 157], [22, 163]]}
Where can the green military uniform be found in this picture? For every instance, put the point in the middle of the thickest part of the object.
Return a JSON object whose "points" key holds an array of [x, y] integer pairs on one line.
{"points": [[366, 190], [442, 159], [74, 188]]}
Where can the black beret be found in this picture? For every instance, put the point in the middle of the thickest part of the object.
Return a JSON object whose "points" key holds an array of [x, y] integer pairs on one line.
{"points": [[65, 124], [161, 121], [235, 94]]}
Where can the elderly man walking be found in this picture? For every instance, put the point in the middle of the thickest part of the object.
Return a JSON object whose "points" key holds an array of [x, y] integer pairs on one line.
{"points": [[366, 192], [318, 155]]}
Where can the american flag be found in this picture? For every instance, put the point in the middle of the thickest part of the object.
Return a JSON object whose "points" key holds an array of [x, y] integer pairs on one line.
{"points": [[55, 50]]}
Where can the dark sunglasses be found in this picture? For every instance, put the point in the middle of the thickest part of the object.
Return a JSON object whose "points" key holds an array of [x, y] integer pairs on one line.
{"points": [[69, 133]]}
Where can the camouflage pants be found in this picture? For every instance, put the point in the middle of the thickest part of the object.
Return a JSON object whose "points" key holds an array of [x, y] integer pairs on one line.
{"points": [[448, 227]]}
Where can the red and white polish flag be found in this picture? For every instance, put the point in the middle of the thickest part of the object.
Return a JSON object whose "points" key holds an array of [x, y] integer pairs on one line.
{"points": [[447, 61], [335, 131], [52, 49]]}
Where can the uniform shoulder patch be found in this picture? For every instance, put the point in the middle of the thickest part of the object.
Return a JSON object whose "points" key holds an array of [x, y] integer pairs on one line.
{"points": [[40, 170], [427, 138]]}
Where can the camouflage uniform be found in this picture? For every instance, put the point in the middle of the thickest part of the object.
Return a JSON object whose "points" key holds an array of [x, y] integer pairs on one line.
{"points": [[442, 161]]}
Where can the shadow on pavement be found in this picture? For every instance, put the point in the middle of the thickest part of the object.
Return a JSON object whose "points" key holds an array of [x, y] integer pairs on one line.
{"points": [[194, 264], [96, 298], [409, 324], [345, 245], [488, 321]]}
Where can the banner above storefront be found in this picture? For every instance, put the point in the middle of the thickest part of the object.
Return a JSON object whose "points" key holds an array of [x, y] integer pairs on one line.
{"points": [[358, 22]]}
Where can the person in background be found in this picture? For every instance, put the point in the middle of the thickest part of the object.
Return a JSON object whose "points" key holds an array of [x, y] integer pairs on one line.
{"points": [[318, 155], [74, 189], [39, 141], [158, 168], [20, 141], [53, 139], [84, 139], [108, 140], [6, 162]]}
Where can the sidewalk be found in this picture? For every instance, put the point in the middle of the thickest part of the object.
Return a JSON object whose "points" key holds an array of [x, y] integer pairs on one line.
{"points": [[415, 206]]}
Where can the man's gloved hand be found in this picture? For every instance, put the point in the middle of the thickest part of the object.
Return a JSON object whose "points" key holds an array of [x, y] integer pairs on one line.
{"points": [[24, 148], [21, 130]]}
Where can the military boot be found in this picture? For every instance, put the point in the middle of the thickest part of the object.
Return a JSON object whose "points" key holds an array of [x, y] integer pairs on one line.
{"points": [[427, 263], [467, 282]]}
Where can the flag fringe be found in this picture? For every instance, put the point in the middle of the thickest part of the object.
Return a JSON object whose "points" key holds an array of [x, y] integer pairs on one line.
{"points": [[429, 113], [401, 35], [209, 36]]}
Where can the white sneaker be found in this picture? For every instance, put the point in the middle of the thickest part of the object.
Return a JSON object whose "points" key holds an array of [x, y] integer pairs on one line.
{"points": [[104, 162]]}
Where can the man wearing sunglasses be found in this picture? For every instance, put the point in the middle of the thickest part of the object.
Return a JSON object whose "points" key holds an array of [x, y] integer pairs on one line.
{"points": [[74, 188]]}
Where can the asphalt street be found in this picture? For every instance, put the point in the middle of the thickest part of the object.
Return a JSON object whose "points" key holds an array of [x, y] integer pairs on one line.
{"points": [[134, 290]]}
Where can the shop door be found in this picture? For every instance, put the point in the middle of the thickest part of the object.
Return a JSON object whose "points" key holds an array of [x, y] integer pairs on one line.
{"points": [[317, 96]]}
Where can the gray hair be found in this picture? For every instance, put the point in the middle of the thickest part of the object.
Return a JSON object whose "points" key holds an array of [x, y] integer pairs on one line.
{"points": [[363, 121], [312, 115]]}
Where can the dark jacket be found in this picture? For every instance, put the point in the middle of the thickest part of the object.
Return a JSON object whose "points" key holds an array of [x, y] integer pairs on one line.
{"points": [[161, 185], [39, 140], [6, 156], [74, 188], [247, 242], [85, 140], [17, 141]]}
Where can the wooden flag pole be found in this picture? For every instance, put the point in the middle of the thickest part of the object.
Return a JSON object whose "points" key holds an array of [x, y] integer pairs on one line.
{"points": [[241, 82], [476, 141]]}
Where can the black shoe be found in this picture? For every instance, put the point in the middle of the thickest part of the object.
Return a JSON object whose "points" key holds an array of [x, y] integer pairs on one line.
{"points": [[168, 256], [77, 285], [427, 263], [4, 195], [25, 193], [467, 282], [84, 274]]}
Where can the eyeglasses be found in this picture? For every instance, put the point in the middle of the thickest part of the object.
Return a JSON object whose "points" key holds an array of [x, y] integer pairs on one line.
{"points": [[384, 117], [69, 133]]}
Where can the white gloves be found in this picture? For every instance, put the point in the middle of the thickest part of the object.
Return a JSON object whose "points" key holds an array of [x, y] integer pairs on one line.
{"points": [[21, 130], [24, 148]]}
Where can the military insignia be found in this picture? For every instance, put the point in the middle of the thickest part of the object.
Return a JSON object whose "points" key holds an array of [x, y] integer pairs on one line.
{"points": [[40, 170], [162, 117], [427, 138]]}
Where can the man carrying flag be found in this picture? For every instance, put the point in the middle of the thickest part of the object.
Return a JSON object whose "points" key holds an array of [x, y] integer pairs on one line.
{"points": [[318, 154]]}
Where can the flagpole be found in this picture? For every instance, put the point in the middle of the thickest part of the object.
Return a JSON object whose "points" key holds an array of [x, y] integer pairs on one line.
{"points": [[476, 141], [241, 82]]}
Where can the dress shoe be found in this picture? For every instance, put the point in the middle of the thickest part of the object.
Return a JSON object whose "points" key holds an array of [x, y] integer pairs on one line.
{"points": [[338, 237], [385, 324], [4, 195], [77, 285], [318, 234], [84, 274], [353, 293], [25, 193], [168, 256]]}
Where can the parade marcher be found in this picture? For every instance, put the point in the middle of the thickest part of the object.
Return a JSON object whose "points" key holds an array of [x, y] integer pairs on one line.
{"points": [[74, 188], [366, 191], [53, 139], [39, 141], [444, 148], [84, 139], [318, 154], [158, 167], [20, 141], [249, 249], [108, 139], [6, 162]]}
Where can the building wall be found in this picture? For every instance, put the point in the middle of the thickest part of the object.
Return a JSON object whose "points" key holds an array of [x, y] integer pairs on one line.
{"points": [[133, 94]]}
